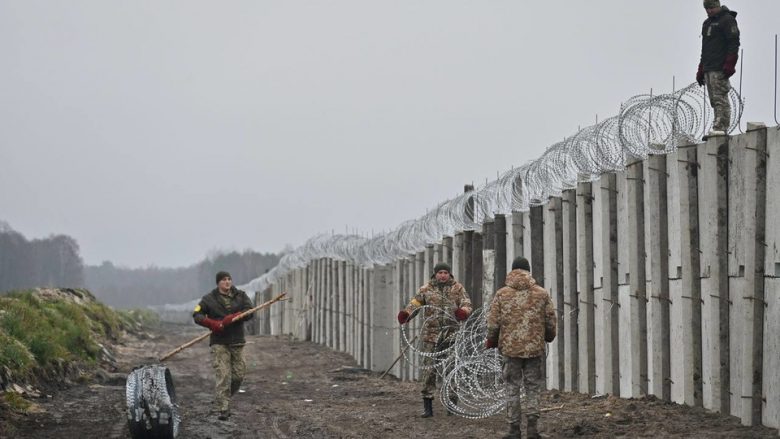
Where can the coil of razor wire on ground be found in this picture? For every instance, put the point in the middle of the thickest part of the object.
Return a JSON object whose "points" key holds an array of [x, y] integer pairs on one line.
{"points": [[646, 124], [472, 384], [151, 403]]}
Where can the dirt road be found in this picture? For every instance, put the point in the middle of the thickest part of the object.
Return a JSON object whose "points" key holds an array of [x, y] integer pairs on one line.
{"points": [[300, 390]]}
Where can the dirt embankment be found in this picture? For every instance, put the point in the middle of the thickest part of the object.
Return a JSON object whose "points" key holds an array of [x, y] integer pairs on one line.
{"points": [[302, 390]]}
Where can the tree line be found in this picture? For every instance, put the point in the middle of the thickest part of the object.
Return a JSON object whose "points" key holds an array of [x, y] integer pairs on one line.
{"points": [[55, 261], [138, 287]]}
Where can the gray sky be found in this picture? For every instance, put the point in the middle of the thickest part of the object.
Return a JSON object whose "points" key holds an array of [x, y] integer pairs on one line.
{"points": [[153, 132]]}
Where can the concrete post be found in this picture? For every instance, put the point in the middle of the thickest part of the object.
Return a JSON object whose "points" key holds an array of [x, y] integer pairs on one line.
{"points": [[586, 331], [657, 270], [429, 261], [570, 292], [713, 178], [633, 308], [517, 237], [468, 263], [610, 352], [447, 252], [535, 230], [553, 274], [747, 219], [368, 343], [382, 317], [458, 262], [499, 272], [685, 281], [399, 281], [488, 261], [770, 412], [478, 270], [344, 315]]}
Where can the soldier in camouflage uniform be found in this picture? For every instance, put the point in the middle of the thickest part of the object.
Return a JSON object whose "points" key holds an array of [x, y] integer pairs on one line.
{"points": [[218, 311], [448, 296], [521, 319], [719, 47]]}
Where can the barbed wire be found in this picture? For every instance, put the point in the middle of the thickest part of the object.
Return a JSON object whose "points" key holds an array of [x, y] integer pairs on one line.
{"points": [[472, 382], [646, 125]]}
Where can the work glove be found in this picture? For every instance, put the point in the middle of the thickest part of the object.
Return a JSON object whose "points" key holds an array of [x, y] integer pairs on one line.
{"points": [[216, 326], [403, 317], [700, 75], [230, 318], [490, 343], [729, 66], [461, 314]]}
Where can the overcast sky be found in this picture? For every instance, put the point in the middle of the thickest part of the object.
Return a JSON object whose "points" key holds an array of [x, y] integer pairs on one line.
{"points": [[154, 132]]}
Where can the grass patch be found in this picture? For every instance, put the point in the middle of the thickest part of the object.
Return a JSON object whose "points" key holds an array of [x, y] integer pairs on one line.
{"points": [[40, 329], [136, 317], [15, 402]]}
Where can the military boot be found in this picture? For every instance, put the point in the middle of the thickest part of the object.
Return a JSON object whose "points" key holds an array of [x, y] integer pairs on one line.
{"points": [[514, 432], [531, 432], [427, 408]]}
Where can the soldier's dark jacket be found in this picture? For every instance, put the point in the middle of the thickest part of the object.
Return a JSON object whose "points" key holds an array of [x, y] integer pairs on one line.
{"points": [[520, 314], [719, 37], [448, 296], [216, 306]]}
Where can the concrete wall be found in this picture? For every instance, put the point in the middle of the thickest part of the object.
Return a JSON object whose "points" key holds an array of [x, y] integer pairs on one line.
{"points": [[664, 277]]}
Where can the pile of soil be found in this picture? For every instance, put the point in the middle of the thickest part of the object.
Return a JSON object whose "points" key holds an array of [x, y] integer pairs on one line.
{"points": [[303, 390]]}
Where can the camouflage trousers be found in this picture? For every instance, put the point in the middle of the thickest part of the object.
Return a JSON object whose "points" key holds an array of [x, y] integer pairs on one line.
{"points": [[229, 368], [429, 374], [718, 87], [522, 374]]}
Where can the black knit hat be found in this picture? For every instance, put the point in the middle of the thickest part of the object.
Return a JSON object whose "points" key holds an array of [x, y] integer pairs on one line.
{"points": [[521, 263], [223, 274], [442, 266]]}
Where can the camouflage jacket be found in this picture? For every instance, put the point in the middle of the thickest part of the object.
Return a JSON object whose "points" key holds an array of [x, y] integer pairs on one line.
{"points": [[520, 315], [448, 296]]}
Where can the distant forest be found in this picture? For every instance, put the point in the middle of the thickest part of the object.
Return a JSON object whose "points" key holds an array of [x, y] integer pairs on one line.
{"points": [[134, 288], [55, 261], [49, 262]]}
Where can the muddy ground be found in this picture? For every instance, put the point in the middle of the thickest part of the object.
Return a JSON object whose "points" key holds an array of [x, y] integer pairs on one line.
{"points": [[301, 390]]}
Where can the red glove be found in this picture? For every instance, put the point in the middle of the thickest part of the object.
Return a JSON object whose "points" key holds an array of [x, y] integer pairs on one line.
{"points": [[490, 343], [215, 325], [729, 66], [700, 75], [461, 314], [230, 318], [403, 317]]}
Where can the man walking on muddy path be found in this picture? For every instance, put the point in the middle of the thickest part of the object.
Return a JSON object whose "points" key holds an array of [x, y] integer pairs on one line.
{"points": [[521, 319], [217, 311], [446, 299], [719, 53]]}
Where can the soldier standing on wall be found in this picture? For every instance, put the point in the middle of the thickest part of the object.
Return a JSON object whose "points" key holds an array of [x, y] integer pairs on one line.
{"points": [[446, 295], [719, 47], [521, 319]]}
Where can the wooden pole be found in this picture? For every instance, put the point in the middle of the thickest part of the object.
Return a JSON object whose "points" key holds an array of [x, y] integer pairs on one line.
{"points": [[240, 316], [398, 357]]}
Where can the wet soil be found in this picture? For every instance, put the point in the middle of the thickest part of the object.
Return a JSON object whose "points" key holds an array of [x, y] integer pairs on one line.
{"points": [[302, 390]]}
